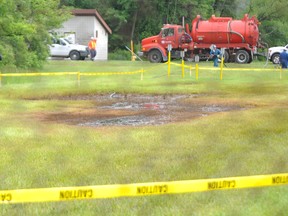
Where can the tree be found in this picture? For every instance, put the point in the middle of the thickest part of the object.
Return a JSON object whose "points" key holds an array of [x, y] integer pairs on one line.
{"points": [[225, 8], [273, 17], [24, 26]]}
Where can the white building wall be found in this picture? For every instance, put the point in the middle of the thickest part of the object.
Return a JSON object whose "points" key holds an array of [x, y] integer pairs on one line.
{"points": [[102, 41], [84, 28]]}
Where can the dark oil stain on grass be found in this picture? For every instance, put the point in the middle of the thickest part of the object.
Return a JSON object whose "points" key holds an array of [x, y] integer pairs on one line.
{"points": [[139, 110]]}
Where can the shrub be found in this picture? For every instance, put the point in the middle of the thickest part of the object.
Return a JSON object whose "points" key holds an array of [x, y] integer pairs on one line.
{"points": [[120, 54]]}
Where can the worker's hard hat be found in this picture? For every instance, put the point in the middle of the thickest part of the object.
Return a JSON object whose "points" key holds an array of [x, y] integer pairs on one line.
{"points": [[213, 46]]}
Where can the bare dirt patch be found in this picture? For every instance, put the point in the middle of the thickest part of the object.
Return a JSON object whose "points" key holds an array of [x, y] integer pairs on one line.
{"points": [[137, 110]]}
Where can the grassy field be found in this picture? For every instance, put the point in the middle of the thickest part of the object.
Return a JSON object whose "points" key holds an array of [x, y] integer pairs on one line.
{"points": [[252, 141]]}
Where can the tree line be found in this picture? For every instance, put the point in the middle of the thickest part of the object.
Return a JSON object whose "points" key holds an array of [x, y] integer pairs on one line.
{"points": [[24, 24]]}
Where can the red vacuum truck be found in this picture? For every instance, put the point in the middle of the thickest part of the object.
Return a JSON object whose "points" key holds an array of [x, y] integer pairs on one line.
{"points": [[238, 40]]}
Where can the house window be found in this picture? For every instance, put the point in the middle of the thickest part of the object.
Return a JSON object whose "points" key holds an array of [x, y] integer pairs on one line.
{"points": [[96, 33]]}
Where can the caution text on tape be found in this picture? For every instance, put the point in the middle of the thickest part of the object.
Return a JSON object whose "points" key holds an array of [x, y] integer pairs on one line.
{"points": [[139, 189]]}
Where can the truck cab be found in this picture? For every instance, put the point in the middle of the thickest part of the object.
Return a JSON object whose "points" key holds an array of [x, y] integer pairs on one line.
{"points": [[155, 48]]}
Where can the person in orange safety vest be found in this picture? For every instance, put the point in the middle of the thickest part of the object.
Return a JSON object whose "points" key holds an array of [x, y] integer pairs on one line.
{"points": [[92, 48]]}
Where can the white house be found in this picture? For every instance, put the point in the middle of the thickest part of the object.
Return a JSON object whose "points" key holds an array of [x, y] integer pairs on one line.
{"points": [[84, 24]]}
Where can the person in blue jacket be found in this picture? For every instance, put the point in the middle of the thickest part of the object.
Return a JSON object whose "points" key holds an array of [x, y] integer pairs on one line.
{"points": [[214, 54], [283, 58]]}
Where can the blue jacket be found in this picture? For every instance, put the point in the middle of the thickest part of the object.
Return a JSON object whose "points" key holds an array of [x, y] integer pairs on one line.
{"points": [[283, 57], [214, 53]]}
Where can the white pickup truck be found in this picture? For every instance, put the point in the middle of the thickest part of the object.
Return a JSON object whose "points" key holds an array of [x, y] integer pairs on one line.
{"points": [[62, 47], [274, 53]]}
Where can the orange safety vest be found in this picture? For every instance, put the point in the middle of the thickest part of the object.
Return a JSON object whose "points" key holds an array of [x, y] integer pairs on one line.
{"points": [[92, 44]]}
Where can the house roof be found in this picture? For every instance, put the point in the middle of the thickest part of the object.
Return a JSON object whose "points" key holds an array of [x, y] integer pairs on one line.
{"points": [[92, 12]]}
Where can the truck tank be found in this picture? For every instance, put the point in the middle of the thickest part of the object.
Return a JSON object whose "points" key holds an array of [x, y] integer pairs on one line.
{"points": [[225, 30]]}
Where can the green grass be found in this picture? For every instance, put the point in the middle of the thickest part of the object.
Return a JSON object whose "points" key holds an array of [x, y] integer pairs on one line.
{"points": [[253, 141]]}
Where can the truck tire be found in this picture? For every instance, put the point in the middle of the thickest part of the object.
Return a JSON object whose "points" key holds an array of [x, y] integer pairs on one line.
{"points": [[155, 56], [242, 57], [250, 59], [275, 58], [226, 56], [74, 55]]}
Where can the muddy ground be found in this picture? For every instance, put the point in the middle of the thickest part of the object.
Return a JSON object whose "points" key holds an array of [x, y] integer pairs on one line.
{"points": [[137, 110]]}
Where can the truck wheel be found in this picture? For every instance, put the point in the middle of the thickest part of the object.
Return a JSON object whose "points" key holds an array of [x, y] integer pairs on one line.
{"points": [[155, 56], [226, 56], [250, 59], [74, 55], [276, 58], [242, 57]]}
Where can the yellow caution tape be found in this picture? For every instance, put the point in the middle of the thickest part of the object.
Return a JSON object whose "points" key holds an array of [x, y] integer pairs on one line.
{"points": [[238, 69], [124, 73], [251, 69], [224, 68], [139, 189], [180, 65], [68, 73], [110, 73], [38, 74]]}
